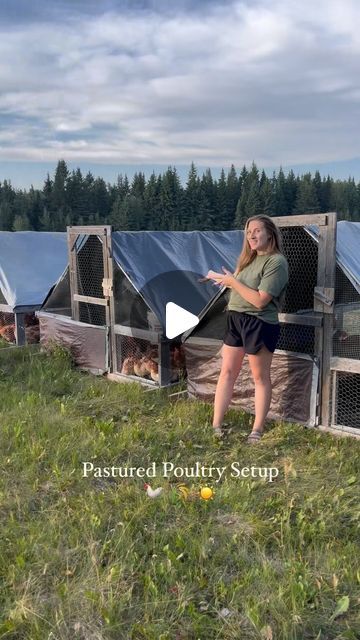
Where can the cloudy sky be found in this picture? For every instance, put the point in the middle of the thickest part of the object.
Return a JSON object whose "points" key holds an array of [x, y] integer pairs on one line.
{"points": [[151, 83]]}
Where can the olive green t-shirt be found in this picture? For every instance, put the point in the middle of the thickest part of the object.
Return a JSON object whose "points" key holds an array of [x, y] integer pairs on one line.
{"points": [[267, 273]]}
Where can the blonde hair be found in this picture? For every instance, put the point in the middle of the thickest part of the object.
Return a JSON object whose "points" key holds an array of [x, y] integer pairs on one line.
{"points": [[247, 255]]}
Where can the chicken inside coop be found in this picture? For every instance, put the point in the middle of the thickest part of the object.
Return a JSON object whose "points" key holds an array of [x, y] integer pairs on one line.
{"points": [[141, 359], [7, 328]]}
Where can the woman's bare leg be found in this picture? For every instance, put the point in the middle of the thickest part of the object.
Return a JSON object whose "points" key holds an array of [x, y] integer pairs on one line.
{"points": [[260, 364], [232, 359]]}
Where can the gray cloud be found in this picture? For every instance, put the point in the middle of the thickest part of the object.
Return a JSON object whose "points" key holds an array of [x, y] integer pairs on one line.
{"points": [[272, 81]]}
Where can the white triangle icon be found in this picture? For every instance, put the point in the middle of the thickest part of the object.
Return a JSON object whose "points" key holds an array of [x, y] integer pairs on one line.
{"points": [[178, 320]]}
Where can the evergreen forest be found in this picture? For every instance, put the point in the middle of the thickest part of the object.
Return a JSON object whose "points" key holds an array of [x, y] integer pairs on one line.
{"points": [[163, 202]]}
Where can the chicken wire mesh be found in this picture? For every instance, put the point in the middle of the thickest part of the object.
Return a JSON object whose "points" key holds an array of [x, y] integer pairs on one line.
{"points": [[296, 338], [345, 399], [89, 278], [301, 252], [90, 267], [7, 326], [140, 358], [346, 339], [137, 357]]}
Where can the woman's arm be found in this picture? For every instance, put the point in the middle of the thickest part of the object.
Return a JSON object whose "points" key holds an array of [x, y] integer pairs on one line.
{"points": [[257, 298]]}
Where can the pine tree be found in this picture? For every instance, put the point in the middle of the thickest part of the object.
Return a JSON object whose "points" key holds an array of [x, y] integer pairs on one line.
{"points": [[152, 207], [233, 187], [223, 217], [191, 200], [267, 197], [280, 204], [306, 199], [6, 216], [21, 223]]}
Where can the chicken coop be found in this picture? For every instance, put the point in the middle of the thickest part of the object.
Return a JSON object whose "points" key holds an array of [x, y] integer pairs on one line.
{"points": [[109, 306], [30, 264], [316, 367]]}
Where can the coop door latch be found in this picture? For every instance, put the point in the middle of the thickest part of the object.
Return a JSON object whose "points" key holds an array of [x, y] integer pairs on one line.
{"points": [[107, 286], [324, 295]]}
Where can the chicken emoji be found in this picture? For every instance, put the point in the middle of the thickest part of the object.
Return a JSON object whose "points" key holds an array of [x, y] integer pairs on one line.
{"points": [[152, 493]]}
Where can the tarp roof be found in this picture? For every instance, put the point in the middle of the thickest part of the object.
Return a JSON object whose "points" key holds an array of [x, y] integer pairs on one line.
{"points": [[165, 266], [347, 249], [30, 264]]}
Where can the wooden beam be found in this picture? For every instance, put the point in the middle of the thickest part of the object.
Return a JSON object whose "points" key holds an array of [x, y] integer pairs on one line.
{"points": [[144, 334], [90, 300], [319, 219], [346, 365], [307, 320]]}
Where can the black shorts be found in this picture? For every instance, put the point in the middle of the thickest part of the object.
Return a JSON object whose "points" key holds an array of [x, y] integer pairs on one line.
{"points": [[244, 330]]}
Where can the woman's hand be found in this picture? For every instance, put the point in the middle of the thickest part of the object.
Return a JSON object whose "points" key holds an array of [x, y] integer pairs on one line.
{"points": [[224, 280]]}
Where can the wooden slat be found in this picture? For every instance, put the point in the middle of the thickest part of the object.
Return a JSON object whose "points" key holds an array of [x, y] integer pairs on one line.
{"points": [[294, 318], [144, 334], [320, 219], [90, 300], [91, 230], [346, 365]]}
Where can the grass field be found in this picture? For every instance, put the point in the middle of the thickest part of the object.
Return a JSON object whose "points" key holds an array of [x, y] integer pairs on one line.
{"points": [[95, 558]]}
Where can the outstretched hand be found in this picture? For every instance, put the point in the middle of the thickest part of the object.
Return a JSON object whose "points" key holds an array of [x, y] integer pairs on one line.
{"points": [[224, 280]]}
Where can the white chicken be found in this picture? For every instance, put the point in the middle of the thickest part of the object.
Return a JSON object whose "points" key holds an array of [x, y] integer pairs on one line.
{"points": [[152, 493]]}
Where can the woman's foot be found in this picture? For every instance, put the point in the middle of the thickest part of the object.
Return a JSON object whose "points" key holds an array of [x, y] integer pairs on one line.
{"points": [[218, 432], [254, 437]]}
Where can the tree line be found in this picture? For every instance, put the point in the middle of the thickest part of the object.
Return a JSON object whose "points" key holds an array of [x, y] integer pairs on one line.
{"points": [[162, 202]]}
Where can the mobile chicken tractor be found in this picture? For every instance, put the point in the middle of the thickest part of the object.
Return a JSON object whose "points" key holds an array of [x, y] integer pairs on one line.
{"points": [[316, 367], [30, 264], [109, 306]]}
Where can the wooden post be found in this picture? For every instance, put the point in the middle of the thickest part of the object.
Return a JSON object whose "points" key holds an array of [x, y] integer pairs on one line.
{"points": [[72, 237], [164, 363], [108, 288], [20, 335], [324, 299]]}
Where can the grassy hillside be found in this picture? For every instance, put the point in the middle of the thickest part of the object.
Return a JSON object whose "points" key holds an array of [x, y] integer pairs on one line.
{"points": [[96, 558]]}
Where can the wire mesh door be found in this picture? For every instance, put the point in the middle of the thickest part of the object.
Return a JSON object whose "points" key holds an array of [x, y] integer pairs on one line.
{"points": [[307, 319], [91, 276]]}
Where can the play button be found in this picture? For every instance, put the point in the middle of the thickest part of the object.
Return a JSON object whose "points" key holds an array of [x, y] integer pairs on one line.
{"points": [[178, 320]]}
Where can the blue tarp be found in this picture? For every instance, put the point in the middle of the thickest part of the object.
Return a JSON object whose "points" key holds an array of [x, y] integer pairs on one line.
{"points": [[31, 262], [347, 249], [165, 266]]}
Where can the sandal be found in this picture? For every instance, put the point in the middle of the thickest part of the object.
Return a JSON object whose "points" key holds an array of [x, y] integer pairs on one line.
{"points": [[254, 437], [218, 432]]}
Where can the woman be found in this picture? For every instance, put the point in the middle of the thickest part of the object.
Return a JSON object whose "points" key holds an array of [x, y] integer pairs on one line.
{"points": [[257, 290]]}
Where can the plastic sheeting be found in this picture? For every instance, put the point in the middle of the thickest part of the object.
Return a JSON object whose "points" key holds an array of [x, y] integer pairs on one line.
{"points": [[86, 343], [347, 249], [30, 264], [294, 381], [165, 266]]}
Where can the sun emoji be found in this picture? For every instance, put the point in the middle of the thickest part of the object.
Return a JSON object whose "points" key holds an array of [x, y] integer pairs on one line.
{"points": [[206, 493]]}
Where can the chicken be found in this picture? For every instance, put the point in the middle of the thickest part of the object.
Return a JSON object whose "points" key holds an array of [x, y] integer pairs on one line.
{"points": [[154, 371], [128, 366], [141, 367], [152, 493], [8, 332]]}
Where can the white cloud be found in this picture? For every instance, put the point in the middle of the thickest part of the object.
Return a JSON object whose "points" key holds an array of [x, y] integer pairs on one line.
{"points": [[273, 81]]}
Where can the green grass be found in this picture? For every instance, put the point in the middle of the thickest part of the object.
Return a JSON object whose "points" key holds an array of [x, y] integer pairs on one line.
{"points": [[95, 558]]}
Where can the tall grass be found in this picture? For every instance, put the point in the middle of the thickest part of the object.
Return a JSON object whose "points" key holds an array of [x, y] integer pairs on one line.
{"points": [[95, 558]]}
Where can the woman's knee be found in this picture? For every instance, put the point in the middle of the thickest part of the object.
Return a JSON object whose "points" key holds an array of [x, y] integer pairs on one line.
{"points": [[262, 379], [228, 373]]}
